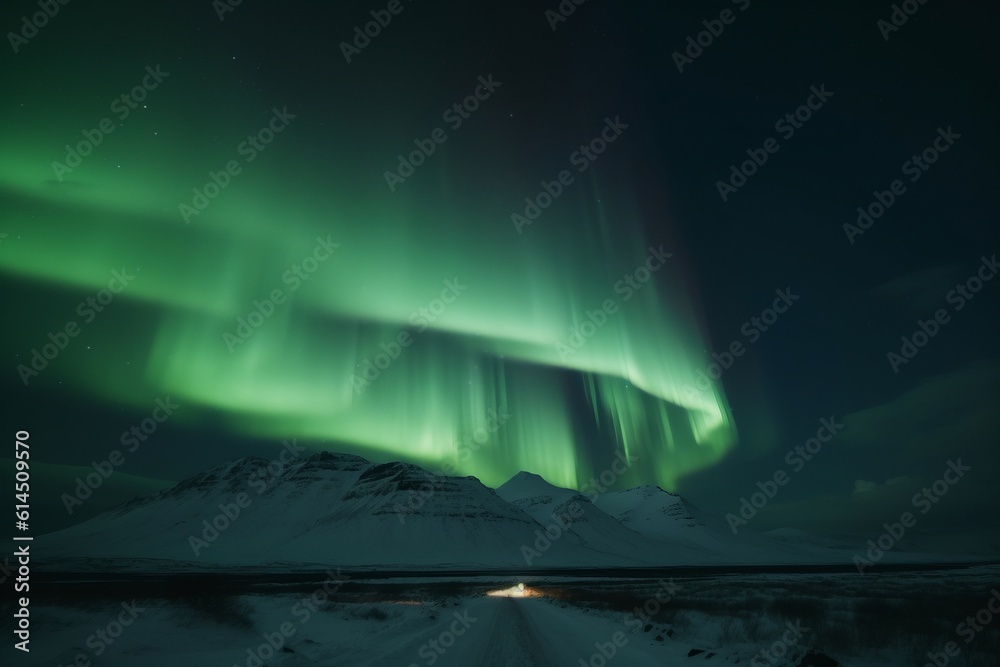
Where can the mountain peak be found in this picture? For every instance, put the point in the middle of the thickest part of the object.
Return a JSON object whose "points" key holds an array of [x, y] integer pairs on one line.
{"points": [[526, 476], [526, 484]]}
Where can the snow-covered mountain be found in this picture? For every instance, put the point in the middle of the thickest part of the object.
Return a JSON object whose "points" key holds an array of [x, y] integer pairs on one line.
{"points": [[677, 525], [342, 510], [326, 509], [657, 526], [565, 509]]}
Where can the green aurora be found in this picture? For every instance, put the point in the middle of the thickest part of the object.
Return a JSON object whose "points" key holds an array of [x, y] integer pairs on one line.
{"points": [[503, 345]]}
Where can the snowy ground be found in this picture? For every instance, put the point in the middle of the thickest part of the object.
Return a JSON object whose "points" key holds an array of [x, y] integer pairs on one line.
{"points": [[862, 621], [462, 632]]}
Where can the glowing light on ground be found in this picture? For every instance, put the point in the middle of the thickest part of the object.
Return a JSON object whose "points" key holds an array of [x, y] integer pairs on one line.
{"points": [[519, 591]]}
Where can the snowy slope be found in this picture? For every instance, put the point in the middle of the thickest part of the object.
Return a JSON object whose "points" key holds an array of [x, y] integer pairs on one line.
{"points": [[655, 526], [332, 509], [553, 506], [342, 510], [692, 536]]}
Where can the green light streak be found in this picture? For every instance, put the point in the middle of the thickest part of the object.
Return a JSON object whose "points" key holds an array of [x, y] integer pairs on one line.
{"points": [[493, 348]]}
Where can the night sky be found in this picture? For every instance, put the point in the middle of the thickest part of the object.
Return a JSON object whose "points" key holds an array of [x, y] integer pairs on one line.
{"points": [[355, 199]]}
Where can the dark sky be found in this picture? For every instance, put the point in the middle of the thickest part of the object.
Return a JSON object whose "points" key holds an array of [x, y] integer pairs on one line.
{"points": [[888, 97]]}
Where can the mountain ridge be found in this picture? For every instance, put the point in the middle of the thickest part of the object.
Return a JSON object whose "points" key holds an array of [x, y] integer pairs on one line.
{"points": [[341, 509]]}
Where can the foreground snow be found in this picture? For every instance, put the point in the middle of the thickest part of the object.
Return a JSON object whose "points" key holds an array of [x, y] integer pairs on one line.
{"points": [[461, 632], [725, 620]]}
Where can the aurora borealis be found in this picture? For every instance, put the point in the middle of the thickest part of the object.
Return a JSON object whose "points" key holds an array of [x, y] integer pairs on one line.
{"points": [[316, 300], [281, 308], [470, 216]]}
